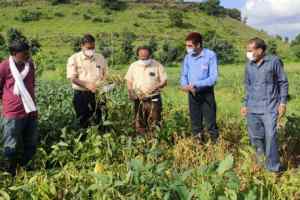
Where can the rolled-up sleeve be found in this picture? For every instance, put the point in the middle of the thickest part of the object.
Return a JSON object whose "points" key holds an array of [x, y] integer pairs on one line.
{"points": [[282, 81], [71, 68], [213, 73], [184, 81]]}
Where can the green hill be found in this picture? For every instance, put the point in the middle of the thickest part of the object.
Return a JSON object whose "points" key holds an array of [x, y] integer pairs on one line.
{"points": [[57, 27]]}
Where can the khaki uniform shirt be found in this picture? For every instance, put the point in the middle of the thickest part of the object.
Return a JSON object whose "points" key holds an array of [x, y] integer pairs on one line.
{"points": [[86, 69], [144, 77]]}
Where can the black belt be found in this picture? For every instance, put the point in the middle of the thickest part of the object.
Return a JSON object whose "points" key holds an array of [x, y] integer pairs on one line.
{"points": [[158, 96]]}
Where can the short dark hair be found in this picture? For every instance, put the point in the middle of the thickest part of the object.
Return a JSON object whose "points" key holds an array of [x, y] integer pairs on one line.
{"points": [[17, 46], [195, 37], [143, 48], [87, 38], [259, 43]]}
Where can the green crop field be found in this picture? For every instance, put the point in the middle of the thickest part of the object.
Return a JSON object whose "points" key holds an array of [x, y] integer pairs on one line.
{"points": [[117, 164]]}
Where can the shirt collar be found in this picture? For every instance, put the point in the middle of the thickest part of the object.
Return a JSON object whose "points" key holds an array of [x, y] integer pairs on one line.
{"points": [[266, 58], [202, 54]]}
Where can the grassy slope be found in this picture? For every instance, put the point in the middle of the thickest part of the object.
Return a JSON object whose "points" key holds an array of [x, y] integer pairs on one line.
{"points": [[52, 31]]}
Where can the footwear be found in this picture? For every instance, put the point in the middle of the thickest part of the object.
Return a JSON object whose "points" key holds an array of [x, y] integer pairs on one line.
{"points": [[200, 138]]}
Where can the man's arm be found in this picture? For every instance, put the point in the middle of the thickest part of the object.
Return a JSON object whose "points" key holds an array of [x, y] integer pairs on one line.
{"points": [[247, 82], [162, 79], [213, 73], [129, 78], [184, 77], [282, 81], [87, 85], [72, 75], [283, 87], [184, 80]]}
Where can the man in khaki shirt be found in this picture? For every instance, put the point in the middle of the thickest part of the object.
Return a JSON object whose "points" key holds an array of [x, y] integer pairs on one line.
{"points": [[145, 78], [87, 70]]}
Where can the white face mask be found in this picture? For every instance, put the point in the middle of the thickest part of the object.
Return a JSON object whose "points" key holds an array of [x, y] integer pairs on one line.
{"points": [[250, 56], [145, 62], [190, 50], [89, 52]]}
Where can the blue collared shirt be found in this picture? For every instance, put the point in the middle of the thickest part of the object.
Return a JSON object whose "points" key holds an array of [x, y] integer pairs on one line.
{"points": [[266, 85], [201, 70]]}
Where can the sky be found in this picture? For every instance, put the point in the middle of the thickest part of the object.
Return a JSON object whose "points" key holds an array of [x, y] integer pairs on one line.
{"points": [[280, 17]]}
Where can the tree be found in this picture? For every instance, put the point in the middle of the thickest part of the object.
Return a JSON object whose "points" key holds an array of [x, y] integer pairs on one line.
{"points": [[176, 18], [296, 51], [226, 52], [127, 46], [296, 41], [15, 34], [279, 37], [286, 39], [152, 44], [272, 47], [212, 7], [234, 13]]}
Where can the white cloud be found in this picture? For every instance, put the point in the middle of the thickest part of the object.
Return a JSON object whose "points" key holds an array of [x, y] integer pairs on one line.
{"points": [[275, 16]]}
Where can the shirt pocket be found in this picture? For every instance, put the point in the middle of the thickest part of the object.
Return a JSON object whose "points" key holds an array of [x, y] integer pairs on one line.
{"points": [[204, 66], [152, 75], [269, 76]]}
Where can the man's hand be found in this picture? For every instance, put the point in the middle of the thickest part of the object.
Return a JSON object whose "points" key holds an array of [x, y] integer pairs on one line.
{"points": [[189, 88], [91, 86], [132, 95], [244, 111], [153, 89], [281, 110]]}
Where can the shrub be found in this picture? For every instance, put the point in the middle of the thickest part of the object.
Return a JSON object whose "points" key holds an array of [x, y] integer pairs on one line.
{"points": [[14, 34], [27, 16], [76, 44], [87, 16], [226, 52], [3, 47], [56, 2], [103, 19], [176, 18], [171, 52], [112, 4], [59, 14], [152, 44], [127, 46]]}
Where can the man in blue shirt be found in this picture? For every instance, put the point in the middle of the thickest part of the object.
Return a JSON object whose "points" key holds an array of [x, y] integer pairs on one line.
{"points": [[266, 88], [198, 77]]}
